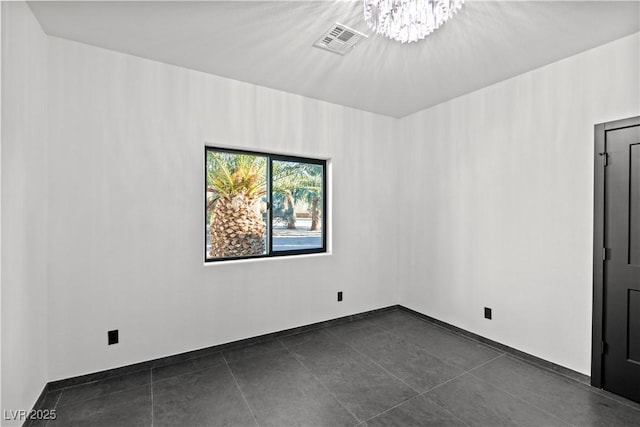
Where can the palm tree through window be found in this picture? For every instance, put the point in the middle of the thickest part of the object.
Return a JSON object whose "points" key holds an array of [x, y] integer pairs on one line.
{"points": [[263, 205]]}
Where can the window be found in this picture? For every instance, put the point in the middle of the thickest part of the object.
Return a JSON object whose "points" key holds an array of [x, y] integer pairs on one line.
{"points": [[262, 205]]}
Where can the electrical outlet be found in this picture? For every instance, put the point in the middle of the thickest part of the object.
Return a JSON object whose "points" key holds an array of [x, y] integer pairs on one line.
{"points": [[487, 313], [340, 296], [112, 337]]}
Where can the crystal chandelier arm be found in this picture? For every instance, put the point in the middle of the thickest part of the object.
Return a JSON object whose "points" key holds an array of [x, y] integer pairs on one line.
{"points": [[408, 20]]}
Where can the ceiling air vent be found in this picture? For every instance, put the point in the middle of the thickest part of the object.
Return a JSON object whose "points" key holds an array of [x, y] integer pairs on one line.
{"points": [[340, 39]]}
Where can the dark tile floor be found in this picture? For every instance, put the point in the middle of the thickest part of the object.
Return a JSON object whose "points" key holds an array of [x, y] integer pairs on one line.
{"points": [[392, 369]]}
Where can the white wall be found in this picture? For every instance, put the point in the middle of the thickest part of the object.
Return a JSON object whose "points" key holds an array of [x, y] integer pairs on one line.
{"points": [[504, 212], [24, 209], [125, 198], [483, 200]]}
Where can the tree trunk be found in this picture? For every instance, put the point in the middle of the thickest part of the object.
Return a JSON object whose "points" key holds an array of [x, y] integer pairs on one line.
{"points": [[237, 227], [315, 214], [290, 212]]}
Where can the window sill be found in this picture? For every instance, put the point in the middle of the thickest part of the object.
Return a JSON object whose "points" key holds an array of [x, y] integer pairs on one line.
{"points": [[266, 259]]}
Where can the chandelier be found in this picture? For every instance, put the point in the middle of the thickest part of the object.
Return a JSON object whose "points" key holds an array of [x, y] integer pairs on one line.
{"points": [[408, 20]]}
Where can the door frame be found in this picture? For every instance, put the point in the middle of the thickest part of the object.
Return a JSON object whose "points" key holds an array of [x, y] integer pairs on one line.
{"points": [[600, 158]]}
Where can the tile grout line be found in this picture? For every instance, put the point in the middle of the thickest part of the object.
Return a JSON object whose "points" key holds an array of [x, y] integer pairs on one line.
{"points": [[255, 355], [499, 350], [244, 398], [55, 407], [323, 331], [517, 397], [529, 362], [507, 355], [58, 400], [424, 393], [416, 397], [463, 373], [487, 346], [103, 395], [358, 420], [450, 333], [212, 365], [392, 408], [385, 331], [522, 400], [426, 351], [195, 371], [151, 388], [63, 389], [188, 372], [448, 410], [375, 363]]}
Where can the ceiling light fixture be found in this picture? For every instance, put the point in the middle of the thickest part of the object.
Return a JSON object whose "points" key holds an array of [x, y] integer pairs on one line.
{"points": [[408, 20]]}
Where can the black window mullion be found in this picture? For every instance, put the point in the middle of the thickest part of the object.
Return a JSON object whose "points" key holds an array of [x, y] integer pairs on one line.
{"points": [[324, 206], [269, 206]]}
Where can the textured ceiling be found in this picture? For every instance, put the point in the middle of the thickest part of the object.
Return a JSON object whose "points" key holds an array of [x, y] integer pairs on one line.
{"points": [[269, 43]]}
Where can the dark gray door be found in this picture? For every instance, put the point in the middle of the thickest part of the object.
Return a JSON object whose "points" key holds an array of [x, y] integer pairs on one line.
{"points": [[621, 359]]}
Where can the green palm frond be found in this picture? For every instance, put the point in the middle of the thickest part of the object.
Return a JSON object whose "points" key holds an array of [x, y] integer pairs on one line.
{"points": [[229, 174]]}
